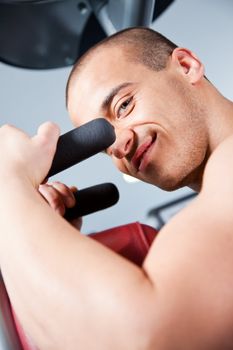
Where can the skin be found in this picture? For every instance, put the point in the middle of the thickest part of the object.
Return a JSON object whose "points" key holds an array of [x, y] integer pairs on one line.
{"points": [[60, 197], [159, 105], [155, 106], [181, 297]]}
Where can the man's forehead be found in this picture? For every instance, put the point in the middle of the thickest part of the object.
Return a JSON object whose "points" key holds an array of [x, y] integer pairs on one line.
{"points": [[103, 73], [91, 88]]}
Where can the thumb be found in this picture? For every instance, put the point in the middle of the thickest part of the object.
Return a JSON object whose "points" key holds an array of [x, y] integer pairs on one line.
{"points": [[47, 137]]}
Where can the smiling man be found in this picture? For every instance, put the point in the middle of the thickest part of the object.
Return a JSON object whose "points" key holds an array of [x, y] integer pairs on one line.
{"points": [[156, 99], [173, 129]]}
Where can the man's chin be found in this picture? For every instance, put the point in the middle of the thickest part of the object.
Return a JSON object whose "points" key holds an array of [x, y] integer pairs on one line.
{"points": [[171, 185], [168, 185], [165, 183]]}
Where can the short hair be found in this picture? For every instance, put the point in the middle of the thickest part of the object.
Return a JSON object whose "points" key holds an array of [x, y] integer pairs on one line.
{"points": [[140, 44]]}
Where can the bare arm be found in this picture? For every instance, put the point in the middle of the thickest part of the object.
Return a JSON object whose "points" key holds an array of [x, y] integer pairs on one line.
{"points": [[69, 291], [73, 285], [64, 286]]}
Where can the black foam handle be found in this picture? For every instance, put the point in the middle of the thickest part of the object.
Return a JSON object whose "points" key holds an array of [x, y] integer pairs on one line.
{"points": [[92, 199], [82, 143]]}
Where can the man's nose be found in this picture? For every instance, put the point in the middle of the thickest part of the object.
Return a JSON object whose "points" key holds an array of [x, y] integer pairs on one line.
{"points": [[123, 144]]}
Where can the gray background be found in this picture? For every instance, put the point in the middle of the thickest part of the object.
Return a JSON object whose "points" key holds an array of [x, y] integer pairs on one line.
{"points": [[29, 98]]}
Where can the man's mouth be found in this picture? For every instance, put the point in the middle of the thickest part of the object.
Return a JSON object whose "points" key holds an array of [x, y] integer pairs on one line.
{"points": [[139, 159]]}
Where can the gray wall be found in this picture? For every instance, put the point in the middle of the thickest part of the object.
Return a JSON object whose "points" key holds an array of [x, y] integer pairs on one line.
{"points": [[29, 98]]}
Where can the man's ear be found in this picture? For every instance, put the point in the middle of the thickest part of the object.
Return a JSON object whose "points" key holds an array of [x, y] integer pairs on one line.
{"points": [[188, 64]]}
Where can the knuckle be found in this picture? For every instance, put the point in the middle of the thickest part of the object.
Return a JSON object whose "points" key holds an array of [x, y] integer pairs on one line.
{"points": [[66, 193], [63, 188], [60, 195], [51, 195]]}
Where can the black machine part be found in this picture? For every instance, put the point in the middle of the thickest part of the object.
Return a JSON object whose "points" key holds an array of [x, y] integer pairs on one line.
{"points": [[82, 143], [44, 34], [76, 146]]}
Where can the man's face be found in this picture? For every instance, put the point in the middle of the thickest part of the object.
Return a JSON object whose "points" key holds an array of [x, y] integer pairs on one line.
{"points": [[160, 136]]}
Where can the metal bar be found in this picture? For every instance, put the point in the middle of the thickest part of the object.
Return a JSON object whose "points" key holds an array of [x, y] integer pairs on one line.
{"points": [[117, 15]]}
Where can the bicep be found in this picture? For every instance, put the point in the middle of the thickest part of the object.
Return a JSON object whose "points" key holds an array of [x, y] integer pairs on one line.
{"points": [[191, 264]]}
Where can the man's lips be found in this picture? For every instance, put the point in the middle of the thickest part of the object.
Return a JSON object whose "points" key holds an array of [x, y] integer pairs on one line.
{"points": [[141, 152]]}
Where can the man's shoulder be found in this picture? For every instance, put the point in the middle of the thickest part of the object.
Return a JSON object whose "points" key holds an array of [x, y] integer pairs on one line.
{"points": [[225, 145], [191, 258]]}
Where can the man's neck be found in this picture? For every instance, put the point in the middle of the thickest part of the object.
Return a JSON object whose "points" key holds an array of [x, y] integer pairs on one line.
{"points": [[219, 123], [220, 119]]}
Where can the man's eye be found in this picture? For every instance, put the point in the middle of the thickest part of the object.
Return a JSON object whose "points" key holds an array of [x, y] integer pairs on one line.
{"points": [[123, 107]]}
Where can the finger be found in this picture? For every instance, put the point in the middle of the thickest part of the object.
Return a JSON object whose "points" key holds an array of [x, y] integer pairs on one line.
{"points": [[74, 189], [47, 136], [11, 128], [65, 192], [49, 130], [11, 132], [53, 197]]}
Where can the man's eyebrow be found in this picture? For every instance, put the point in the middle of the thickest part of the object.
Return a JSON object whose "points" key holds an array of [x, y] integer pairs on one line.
{"points": [[108, 99]]}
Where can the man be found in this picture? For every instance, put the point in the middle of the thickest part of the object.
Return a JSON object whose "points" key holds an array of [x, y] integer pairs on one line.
{"points": [[173, 129]]}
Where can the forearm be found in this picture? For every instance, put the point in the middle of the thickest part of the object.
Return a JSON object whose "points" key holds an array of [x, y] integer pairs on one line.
{"points": [[65, 283]]}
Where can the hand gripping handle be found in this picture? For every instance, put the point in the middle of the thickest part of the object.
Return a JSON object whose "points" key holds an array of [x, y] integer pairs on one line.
{"points": [[76, 146]]}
